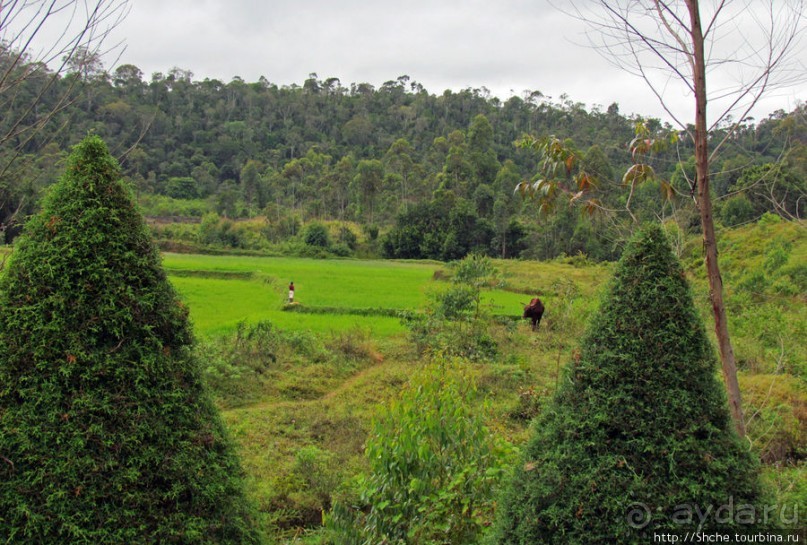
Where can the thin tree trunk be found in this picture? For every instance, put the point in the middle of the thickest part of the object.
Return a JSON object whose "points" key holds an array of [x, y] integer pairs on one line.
{"points": [[707, 222]]}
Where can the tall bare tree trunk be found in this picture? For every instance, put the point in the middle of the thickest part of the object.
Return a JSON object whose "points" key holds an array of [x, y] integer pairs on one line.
{"points": [[727, 360]]}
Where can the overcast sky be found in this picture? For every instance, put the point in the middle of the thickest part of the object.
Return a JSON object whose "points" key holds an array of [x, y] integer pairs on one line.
{"points": [[506, 46]]}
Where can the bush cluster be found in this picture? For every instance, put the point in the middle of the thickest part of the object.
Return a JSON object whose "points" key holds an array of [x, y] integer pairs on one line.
{"points": [[444, 228], [432, 467], [456, 322]]}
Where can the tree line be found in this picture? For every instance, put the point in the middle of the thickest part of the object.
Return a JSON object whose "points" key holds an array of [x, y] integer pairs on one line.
{"points": [[435, 173]]}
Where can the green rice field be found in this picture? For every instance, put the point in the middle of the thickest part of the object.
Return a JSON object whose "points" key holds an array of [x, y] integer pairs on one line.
{"points": [[222, 291]]}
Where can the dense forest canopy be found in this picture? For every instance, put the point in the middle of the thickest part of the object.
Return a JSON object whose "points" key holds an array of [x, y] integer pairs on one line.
{"points": [[394, 157]]}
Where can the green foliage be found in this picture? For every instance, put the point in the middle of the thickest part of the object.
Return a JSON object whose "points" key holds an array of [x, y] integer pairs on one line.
{"points": [[327, 402], [217, 234], [639, 426], [791, 484], [776, 256], [371, 231], [316, 234], [567, 233], [154, 205], [455, 321], [295, 441], [181, 188], [260, 359], [107, 434], [446, 228], [347, 237], [776, 409], [313, 478], [736, 211], [217, 231], [456, 304], [433, 467], [475, 270], [766, 277], [561, 174], [234, 368], [774, 188], [327, 151]]}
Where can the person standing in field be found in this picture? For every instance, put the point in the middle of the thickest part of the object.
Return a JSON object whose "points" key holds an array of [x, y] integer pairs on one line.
{"points": [[291, 292]]}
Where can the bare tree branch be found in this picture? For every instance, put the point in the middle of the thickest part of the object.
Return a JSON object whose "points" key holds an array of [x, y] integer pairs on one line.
{"points": [[41, 42], [28, 46]]}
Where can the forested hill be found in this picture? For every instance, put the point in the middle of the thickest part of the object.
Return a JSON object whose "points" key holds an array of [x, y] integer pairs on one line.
{"points": [[386, 157]]}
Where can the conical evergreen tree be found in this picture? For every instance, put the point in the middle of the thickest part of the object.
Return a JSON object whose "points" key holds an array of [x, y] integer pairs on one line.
{"points": [[638, 439], [106, 432]]}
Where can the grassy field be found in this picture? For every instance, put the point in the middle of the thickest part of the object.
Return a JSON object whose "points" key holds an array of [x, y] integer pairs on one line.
{"points": [[222, 291]]}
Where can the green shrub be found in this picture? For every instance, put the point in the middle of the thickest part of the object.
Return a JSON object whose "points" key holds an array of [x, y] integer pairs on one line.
{"points": [[176, 232], [754, 283], [433, 466], [154, 205], [314, 478], [776, 417], [347, 237], [444, 228], [183, 188], [284, 227], [354, 345], [300, 249], [107, 434], [769, 219], [235, 366], [456, 322], [434, 333], [790, 483], [530, 403], [639, 427], [306, 344], [341, 250], [798, 275], [737, 210], [217, 231], [777, 254], [370, 231], [316, 234]]}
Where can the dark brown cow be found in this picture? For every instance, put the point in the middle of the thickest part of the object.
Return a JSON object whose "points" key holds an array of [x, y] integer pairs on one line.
{"points": [[534, 311]]}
